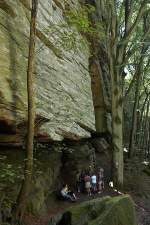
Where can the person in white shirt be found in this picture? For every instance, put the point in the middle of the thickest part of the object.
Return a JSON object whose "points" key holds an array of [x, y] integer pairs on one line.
{"points": [[94, 182]]}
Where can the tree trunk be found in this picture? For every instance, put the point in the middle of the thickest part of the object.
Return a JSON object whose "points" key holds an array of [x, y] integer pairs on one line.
{"points": [[23, 195], [134, 117], [138, 141], [117, 112], [148, 145], [146, 129], [1, 202]]}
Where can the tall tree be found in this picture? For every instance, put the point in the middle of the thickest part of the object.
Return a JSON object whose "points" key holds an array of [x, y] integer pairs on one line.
{"points": [[119, 21], [138, 74], [23, 195]]}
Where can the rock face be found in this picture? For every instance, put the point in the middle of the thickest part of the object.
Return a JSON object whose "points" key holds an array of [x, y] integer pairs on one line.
{"points": [[54, 165], [85, 156], [46, 178], [102, 211], [64, 105]]}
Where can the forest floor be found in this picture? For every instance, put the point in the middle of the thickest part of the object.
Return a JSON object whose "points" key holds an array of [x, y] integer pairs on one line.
{"points": [[142, 210], [60, 206], [137, 184], [142, 207]]}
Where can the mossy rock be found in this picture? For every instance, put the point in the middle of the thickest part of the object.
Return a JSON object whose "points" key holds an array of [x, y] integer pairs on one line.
{"points": [[104, 211]]}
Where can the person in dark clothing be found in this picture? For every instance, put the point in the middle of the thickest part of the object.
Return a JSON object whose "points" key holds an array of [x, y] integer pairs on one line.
{"points": [[78, 182], [67, 194], [82, 182], [66, 219], [100, 180]]}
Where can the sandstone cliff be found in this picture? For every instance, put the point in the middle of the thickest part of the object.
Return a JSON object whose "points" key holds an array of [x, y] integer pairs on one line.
{"points": [[64, 105]]}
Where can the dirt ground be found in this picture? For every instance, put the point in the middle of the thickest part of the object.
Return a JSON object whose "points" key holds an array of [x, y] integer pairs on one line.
{"points": [[142, 207], [137, 184], [59, 206]]}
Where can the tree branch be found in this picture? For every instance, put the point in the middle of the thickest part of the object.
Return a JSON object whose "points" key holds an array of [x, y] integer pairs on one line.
{"points": [[134, 25]]}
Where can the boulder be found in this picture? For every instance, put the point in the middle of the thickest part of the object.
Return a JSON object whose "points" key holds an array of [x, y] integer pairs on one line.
{"points": [[102, 211]]}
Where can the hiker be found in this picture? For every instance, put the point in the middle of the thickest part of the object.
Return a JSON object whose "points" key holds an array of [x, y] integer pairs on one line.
{"points": [[94, 183], [78, 182], [82, 182], [90, 171], [87, 180], [100, 180], [67, 194]]}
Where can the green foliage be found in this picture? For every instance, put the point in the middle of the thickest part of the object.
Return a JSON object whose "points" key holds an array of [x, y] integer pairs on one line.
{"points": [[80, 19], [65, 35], [11, 176], [8, 174]]}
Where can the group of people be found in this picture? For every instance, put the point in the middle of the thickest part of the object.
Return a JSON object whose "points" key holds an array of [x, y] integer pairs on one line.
{"points": [[91, 182], [86, 181]]}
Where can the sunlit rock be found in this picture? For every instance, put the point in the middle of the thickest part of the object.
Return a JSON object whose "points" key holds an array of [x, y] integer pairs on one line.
{"points": [[62, 79]]}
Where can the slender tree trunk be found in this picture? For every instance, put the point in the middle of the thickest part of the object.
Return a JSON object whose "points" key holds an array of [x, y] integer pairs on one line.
{"points": [[142, 133], [23, 195], [1, 202], [148, 145], [146, 128], [143, 107], [140, 122], [134, 117]]}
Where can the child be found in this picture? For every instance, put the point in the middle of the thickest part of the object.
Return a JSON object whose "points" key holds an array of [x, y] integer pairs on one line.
{"points": [[87, 180], [100, 180]]}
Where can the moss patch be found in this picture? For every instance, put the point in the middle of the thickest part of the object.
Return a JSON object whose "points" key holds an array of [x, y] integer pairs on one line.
{"points": [[104, 211], [117, 211]]}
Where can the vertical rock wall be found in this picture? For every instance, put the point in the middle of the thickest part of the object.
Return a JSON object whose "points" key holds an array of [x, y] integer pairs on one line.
{"points": [[64, 106]]}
